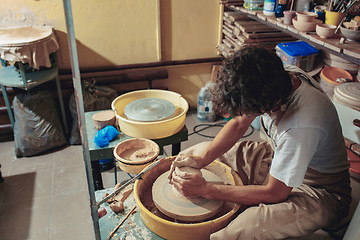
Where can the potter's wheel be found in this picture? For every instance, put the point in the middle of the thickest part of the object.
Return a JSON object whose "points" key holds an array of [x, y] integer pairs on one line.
{"points": [[168, 201], [149, 109]]}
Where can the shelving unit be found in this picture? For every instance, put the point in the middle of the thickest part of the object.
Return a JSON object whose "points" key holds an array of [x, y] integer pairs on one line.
{"points": [[349, 50]]}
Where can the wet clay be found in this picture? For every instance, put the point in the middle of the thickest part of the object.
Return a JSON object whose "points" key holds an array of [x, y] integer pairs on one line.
{"points": [[136, 154], [145, 194]]}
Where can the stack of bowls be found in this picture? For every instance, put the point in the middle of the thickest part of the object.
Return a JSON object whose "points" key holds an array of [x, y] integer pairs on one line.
{"points": [[134, 154], [306, 21]]}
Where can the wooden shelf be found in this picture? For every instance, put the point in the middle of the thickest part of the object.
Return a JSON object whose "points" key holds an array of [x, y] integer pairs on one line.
{"points": [[349, 50]]}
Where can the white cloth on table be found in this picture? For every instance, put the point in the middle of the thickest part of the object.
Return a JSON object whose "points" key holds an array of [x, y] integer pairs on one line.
{"points": [[31, 44]]}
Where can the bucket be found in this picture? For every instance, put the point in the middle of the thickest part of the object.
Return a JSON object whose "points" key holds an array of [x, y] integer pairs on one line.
{"points": [[333, 18]]}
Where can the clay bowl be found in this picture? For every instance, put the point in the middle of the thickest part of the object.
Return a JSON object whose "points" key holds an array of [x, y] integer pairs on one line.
{"points": [[166, 227], [350, 34], [325, 30], [306, 16], [305, 26], [133, 155]]}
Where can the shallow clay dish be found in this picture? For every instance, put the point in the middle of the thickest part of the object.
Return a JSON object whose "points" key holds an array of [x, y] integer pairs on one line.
{"points": [[305, 26], [306, 16], [325, 30], [133, 155]]}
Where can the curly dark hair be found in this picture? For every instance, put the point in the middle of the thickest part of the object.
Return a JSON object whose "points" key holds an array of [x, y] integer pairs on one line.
{"points": [[251, 81]]}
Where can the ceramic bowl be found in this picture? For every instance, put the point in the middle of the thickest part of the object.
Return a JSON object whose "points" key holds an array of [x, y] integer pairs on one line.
{"points": [[325, 30], [305, 26], [350, 34], [133, 155], [306, 16]]}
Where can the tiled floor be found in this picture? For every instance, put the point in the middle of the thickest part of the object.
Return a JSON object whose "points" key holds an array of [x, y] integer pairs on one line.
{"points": [[46, 196]]}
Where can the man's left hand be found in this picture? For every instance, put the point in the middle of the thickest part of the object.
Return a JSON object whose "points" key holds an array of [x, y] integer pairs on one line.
{"points": [[190, 185]]}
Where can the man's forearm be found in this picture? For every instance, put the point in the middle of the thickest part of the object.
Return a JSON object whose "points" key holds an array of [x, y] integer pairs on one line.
{"points": [[226, 138], [273, 192]]}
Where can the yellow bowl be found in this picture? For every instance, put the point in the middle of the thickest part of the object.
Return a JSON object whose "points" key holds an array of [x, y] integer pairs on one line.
{"points": [[133, 155], [179, 231], [156, 129]]}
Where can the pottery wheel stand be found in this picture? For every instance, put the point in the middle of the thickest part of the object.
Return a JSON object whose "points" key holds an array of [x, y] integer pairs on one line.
{"points": [[173, 204]]}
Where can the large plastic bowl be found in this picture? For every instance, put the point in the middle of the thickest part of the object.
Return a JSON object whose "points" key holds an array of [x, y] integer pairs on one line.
{"points": [[177, 230], [156, 129]]}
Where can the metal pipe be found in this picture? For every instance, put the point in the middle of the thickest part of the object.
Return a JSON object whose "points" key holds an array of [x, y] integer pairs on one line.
{"points": [[81, 113]]}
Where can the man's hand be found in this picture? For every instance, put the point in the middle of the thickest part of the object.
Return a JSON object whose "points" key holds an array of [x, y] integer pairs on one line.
{"points": [[184, 161], [189, 184]]}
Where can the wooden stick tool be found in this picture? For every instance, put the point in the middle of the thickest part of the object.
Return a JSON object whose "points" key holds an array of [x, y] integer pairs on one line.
{"points": [[122, 221], [128, 182]]}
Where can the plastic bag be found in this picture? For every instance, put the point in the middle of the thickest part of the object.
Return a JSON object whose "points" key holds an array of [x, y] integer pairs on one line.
{"points": [[95, 98], [104, 136], [37, 126]]}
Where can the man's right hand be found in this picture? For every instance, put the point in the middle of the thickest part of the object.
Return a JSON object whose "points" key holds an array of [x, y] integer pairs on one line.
{"points": [[183, 160]]}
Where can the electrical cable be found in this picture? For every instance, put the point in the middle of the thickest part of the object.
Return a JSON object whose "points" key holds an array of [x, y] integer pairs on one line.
{"points": [[208, 125]]}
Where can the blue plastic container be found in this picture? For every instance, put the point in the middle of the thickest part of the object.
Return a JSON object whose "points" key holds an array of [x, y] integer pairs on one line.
{"points": [[300, 54]]}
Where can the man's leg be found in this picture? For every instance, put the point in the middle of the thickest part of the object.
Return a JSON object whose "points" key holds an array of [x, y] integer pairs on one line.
{"points": [[305, 211]]}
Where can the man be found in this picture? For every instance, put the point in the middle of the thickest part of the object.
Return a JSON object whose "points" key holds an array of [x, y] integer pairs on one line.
{"points": [[295, 183]]}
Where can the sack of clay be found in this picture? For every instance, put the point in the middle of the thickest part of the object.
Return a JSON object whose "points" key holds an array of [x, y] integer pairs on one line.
{"points": [[95, 98], [37, 124]]}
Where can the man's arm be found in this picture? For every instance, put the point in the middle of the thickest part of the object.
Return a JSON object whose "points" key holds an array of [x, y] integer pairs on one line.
{"points": [[225, 139], [196, 186]]}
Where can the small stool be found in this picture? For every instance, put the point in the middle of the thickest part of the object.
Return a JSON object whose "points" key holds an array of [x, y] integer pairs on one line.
{"points": [[18, 77]]}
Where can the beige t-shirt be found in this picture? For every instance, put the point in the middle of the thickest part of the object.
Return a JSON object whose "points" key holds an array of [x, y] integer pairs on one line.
{"points": [[308, 135]]}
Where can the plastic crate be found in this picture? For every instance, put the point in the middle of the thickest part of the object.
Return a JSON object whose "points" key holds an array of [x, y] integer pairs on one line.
{"points": [[300, 54]]}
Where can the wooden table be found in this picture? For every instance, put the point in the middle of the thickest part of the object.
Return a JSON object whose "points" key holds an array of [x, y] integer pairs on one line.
{"points": [[132, 228], [97, 153]]}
